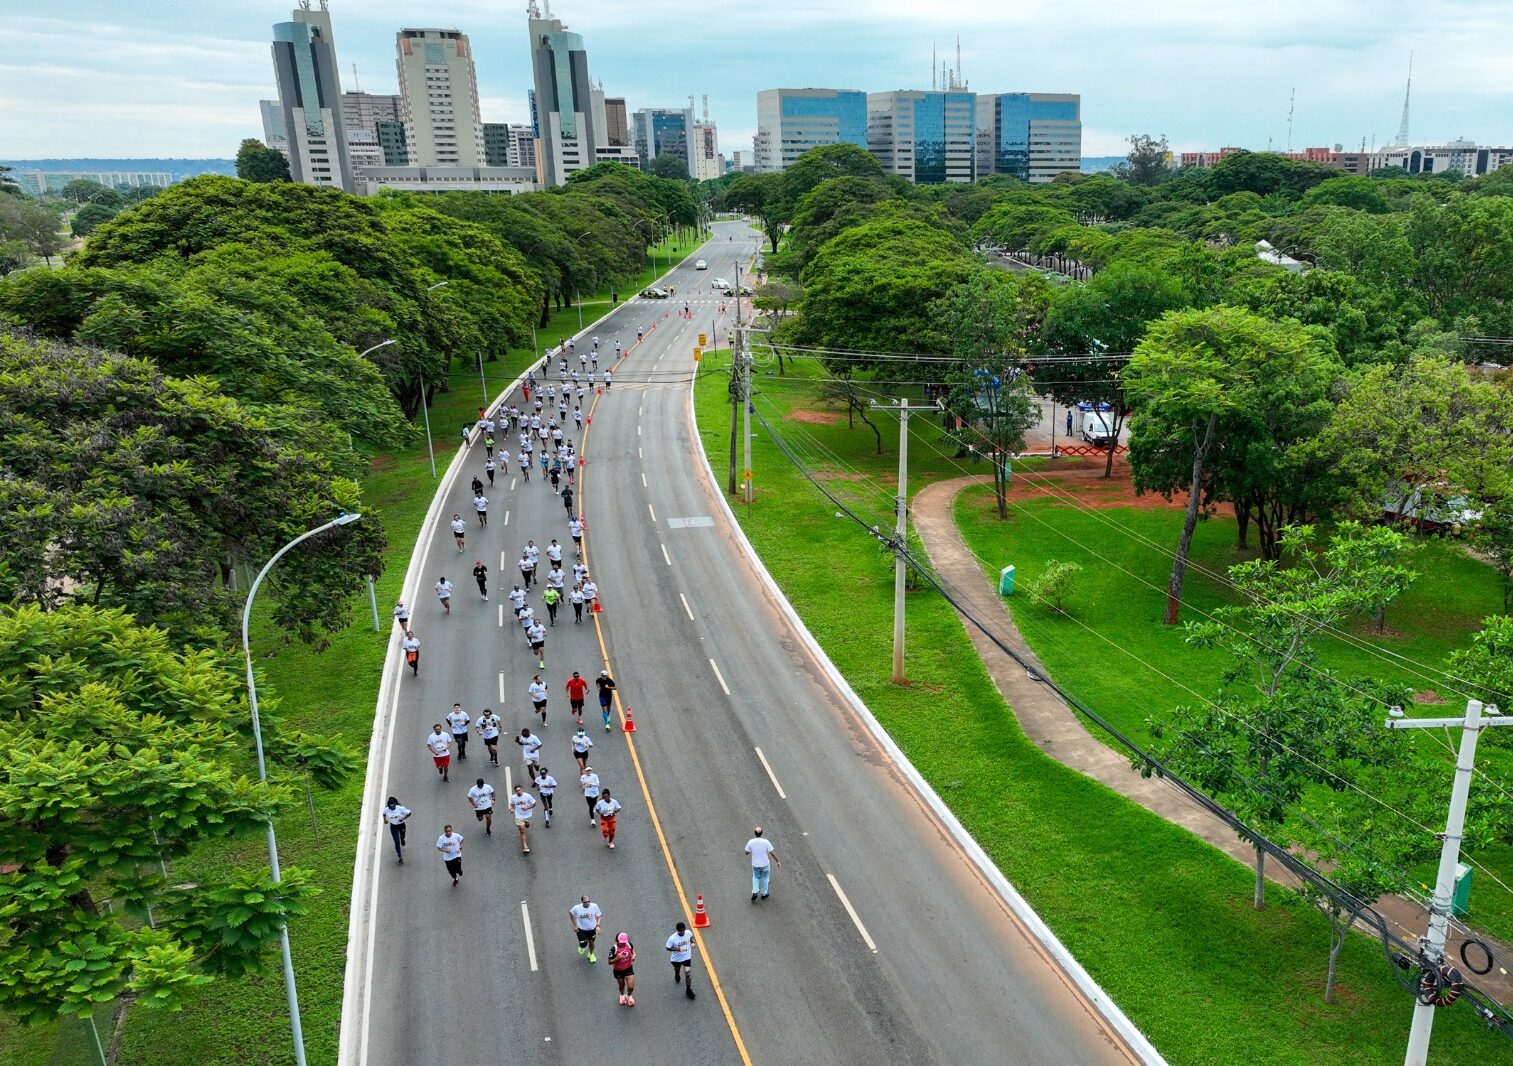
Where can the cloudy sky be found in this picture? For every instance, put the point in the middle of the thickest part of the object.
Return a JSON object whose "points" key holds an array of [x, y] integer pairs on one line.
{"points": [[183, 77]]}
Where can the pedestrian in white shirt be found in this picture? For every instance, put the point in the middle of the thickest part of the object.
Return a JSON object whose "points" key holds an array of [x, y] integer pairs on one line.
{"points": [[444, 593], [532, 553], [488, 729], [395, 815], [590, 590], [680, 954], [608, 809], [581, 744], [410, 646], [459, 720], [450, 846], [459, 531], [589, 782], [440, 743], [481, 505], [517, 599], [580, 571], [575, 597], [523, 803], [554, 552], [481, 796], [527, 569], [402, 615], [536, 635], [537, 692], [489, 467], [575, 530], [546, 785], [586, 917], [763, 855], [530, 747]]}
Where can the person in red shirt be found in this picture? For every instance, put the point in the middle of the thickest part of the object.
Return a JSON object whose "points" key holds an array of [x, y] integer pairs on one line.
{"points": [[577, 689]]}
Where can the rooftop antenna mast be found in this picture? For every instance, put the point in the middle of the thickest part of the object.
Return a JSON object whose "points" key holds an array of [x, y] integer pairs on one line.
{"points": [[706, 108], [1402, 126], [356, 85], [1292, 101], [933, 86], [957, 83]]}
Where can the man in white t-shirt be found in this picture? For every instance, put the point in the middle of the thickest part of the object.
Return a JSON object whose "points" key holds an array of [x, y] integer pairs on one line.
{"points": [[410, 648], [444, 593], [522, 803], [763, 855], [440, 744], [395, 814], [517, 599], [680, 954], [586, 917], [450, 846], [459, 531], [546, 787], [536, 637], [459, 720], [481, 507], [608, 810], [488, 729], [481, 796], [530, 745], [537, 692]]}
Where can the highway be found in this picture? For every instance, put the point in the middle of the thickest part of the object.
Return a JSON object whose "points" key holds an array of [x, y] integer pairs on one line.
{"points": [[880, 941]]}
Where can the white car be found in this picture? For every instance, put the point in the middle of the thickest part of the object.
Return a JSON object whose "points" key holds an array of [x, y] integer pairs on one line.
{"points": [[701, 265], [719, 283]]}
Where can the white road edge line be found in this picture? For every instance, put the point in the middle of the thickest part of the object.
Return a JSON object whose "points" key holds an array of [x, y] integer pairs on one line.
{"points": [[653, 512], [501, 680], [530, 938], [855, 918], [770, 775], [719, 676], [685, 606], [665, 555]]}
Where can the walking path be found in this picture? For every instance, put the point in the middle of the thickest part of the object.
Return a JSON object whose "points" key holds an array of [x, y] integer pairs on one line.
{"points": [[1055, 728]]}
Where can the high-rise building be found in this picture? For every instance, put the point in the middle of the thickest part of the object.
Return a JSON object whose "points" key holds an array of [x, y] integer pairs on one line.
{"points": [[563, 111], [439, 85], [708, 163], [616, 122], [792, 121], [391, 136], [661, 131], [378, 117], [522, 147], [612, 127], [496, 144], [742, 160], [928, 138], [1031, 136], [309, 95], [275, 133]]}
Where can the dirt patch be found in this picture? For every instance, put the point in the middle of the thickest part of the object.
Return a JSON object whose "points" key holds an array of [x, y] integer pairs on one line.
{"points": [[816, 418], [1429, 696], [1081, 483]]}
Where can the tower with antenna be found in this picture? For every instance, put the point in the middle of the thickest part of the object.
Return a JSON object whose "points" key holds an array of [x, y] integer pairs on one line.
{"points": [[1402, 126], [1292, 101]]}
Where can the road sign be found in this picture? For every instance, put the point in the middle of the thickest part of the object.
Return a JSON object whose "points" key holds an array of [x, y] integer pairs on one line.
{"points": [[698, 354], [746, 475], [702, 340]]}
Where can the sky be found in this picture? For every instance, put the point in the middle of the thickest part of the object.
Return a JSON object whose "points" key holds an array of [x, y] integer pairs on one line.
{"points": [[182, 78]]}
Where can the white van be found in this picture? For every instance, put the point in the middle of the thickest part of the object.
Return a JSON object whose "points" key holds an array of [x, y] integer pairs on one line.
{"points": [[701, 265]]}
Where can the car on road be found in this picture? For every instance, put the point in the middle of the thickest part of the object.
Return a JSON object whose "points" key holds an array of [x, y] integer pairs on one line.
{"points": [[655, 294], [719, 283], [746, 290], [700, 265]]}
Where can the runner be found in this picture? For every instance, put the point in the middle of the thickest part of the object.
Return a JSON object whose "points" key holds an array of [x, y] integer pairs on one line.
{"points": [[589, 782], [481, 796], [581, 744], [537, 691], [577, 689], [530, 745], [554, 553], [481, 575], [606, 695], [586, 917], [459, 720], [555, 578], [763, 855], [410, 645], [617, 350], [578, 417], [609, 377], [525, 463], [440, 744], [517, 599], [567, 505], [621, 963], [555, 475], [532, 553], [444, 593], [639, 333], [575, 597], [680, 954], [450, 846], [477, 485], [488, 729], [402, 615], [459, 530], [546, 785], [590, 590], [608, 809], [489, 467], [481, 505], [575, 529], [552, 597], [536, 634], [527, 569], [488, 442], [580, 571], [394, 817], [523, 803]]}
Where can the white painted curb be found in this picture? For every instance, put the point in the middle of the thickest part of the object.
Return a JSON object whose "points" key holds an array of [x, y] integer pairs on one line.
{"points": [[1097, 998]]}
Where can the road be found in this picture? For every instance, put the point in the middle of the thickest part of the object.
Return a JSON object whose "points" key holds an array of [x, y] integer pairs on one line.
{"points": [[880, 941]]}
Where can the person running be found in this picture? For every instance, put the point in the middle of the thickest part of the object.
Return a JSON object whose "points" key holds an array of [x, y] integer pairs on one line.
{"points": [[411, 648], [450, 846], [575, 530], [527, 569], [488, 443], [575, 597], [395, 815], [555, 475], [481, 575], [556, 578], [402, 615], [536, 635], [581, 744], [552, 597], [590, 590], [467, 428], [589, 782], [580, 571], [525, 463], [517, 599], [477, 485], [609, 377], [617, 350], [577, 690], [523, 804], [481, 796], [546, 785], [459, 720], [567, 505], [608, 809], [622, 959], [586, 917], [596, 343], [606, 685], [763, 855], [488, 729], [680, 954], [537, 692], [578, 417], [489, 467], [503, 464], [530, 746], [444, 593], [639, 334], [532, 553], [527, 618], [440, 743], [481, 506], [459, 531], [554, 553]]}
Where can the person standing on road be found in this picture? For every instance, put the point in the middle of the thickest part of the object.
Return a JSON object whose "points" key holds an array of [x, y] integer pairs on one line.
{"points": [[530, 747], [606, 686], [458, 719], [537, 692], [575, 597], [488, 729], [680, 954], [481, 505], [402, 616], [481, 575], [589, 782], [577, 690], [523, 803], [581, 744], [459, 531], [763, 855], [608, 809], [622, 959], [440, 744], [444, 593], [586, 917], [450, 846], [481, 796], [546, 786], [410, 645], [395, 816]]}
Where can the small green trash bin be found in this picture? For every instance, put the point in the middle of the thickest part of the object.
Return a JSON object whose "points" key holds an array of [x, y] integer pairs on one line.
{"points": [[1006, 581], [1460, 899]]}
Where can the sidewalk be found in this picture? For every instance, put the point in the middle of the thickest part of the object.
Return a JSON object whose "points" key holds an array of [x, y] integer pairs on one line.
{"points": [[1055, 728]]}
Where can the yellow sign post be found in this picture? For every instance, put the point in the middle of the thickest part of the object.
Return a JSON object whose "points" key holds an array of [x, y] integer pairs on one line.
{"points": [[698, 354], [702, 340]]}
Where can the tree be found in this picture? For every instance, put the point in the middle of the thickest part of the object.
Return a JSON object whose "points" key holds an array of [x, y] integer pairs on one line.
{"points": [[1016, 226], [761, 195], [820, 164], [1054, 586], [674, 167], [30, 225], [8, 184], [1148, 161], [88, 217], [1267, 172], [123, 753], [88, 191], [255, 161], [1353, 191], [1493, 537]]}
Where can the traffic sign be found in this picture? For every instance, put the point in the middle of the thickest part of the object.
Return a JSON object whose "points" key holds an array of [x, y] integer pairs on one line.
{"points": [[698, 354], [746, 475], [702, 340]]}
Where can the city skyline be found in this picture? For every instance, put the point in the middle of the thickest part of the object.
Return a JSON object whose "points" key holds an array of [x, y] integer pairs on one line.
{"points": [[106, 81]]}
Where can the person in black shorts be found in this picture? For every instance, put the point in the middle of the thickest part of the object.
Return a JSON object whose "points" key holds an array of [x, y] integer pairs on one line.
{"points": [[606, 695]]}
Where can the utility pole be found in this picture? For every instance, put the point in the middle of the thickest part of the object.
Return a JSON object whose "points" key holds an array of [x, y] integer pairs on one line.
{"points": [[900, 535], [425, 410], [1444, 883], [735, 398], [745, 350]]}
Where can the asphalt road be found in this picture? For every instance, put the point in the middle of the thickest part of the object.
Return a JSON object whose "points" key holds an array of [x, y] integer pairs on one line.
{"points": [[879, 942]]}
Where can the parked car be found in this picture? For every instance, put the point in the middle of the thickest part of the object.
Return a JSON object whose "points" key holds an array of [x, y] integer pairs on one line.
{"points": [[655, 294], [719, 283], [701, 265], [746, 290]]}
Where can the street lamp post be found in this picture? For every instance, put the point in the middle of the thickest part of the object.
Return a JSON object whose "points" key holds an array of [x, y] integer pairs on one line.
{"points": [[576, 239], [262, 771]]}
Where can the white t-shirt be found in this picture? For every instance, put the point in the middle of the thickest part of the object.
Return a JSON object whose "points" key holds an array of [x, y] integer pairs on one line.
{"points": [[555, 577], [480, 503], [482, 797], [517, 598], [396, 815], [530, 745], [458, 525], [450, 845], [554, 552], [576, 596], [546, 784], [581, 742], [536, 634], [607, 808], [444, 589], [532, 553], [575, 528], [760, 849], [488, 725], [537, 691], [590, 590], [522, 803], [526, 564], [440, 743], [527, 616], [680, 947], [458, 720], [579, 571], [410, 644], [586, 915], [590, 783], [401, 612]]}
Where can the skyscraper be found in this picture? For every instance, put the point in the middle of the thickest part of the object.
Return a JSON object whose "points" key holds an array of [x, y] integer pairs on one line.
{"points": [[792, 121], [928, 138], [1031, 136], [380, 117], [439, 86], [661, 131], [309, 95], [563, 113]]}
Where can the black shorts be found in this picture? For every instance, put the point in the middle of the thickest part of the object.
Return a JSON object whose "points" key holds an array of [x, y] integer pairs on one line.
{"points": [[686, 962], [489, 742], [585, 935], [620, 975], [484, 813], [454, 866], [576, 705], [540, 703], [537, 645]]}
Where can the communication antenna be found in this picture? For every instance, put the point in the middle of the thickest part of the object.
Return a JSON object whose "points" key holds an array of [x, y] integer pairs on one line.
{"points": [[356, 85], [1402, 126], [1292, 101], [957, 83], [933, 86], [706, 109]]}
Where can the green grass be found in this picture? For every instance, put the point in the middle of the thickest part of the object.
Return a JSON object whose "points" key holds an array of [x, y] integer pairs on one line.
{"points": [[1159, 918], [245, 1022]]}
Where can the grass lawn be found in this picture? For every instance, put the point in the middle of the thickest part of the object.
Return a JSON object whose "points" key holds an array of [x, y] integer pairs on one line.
{"points": [[245, 1022], [1159, 918]]}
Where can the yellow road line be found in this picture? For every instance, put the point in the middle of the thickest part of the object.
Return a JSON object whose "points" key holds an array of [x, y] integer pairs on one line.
{"points": [[651, 808]]}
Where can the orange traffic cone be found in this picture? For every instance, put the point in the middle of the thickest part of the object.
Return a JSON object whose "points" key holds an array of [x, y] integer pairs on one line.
{"points": [[700, 919], [630, 721], [597, 608]]}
